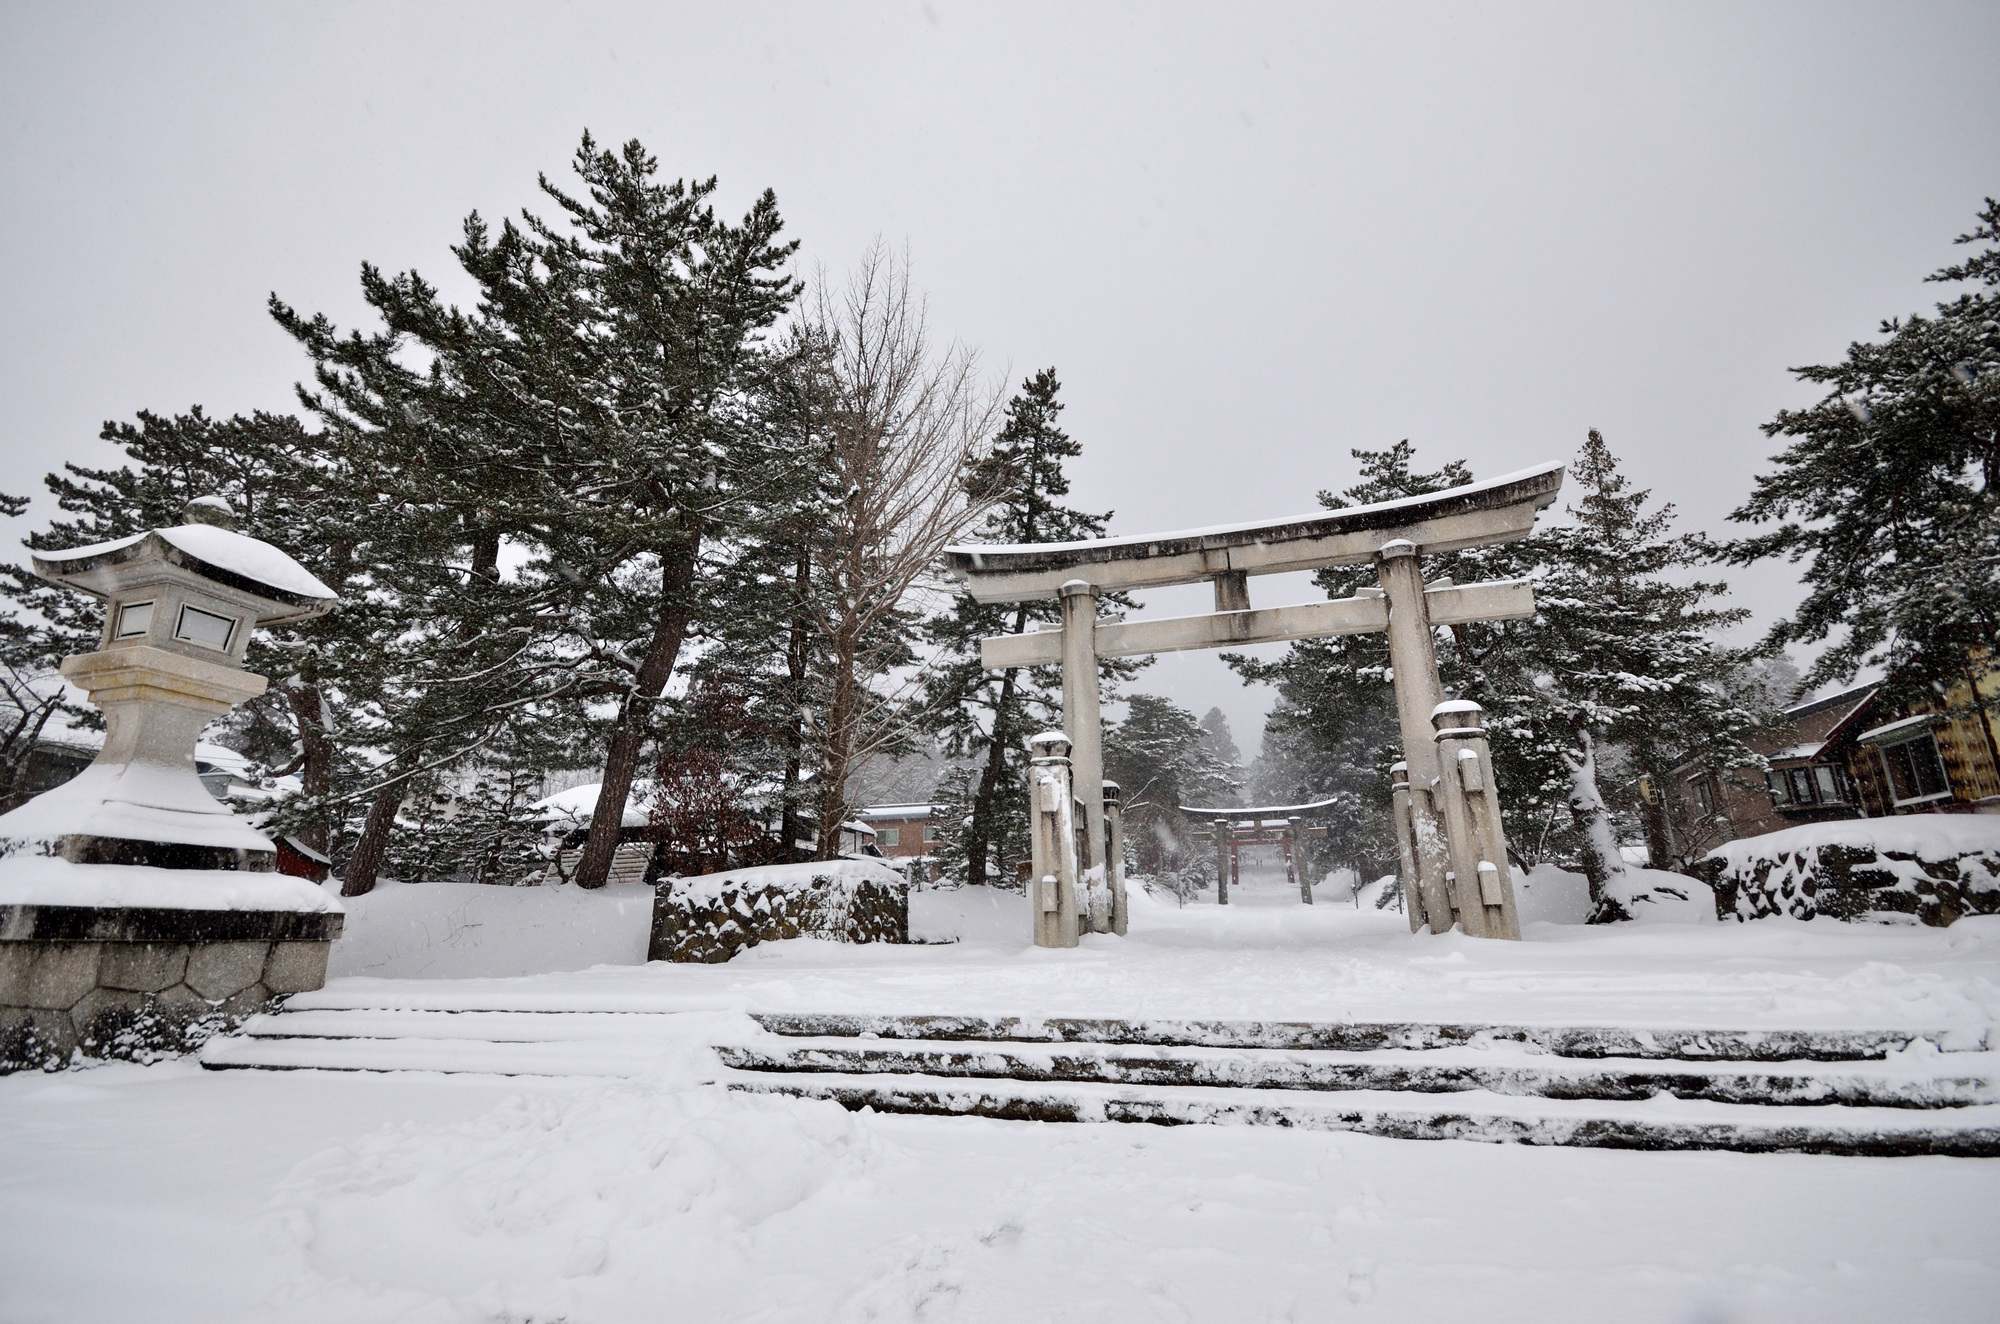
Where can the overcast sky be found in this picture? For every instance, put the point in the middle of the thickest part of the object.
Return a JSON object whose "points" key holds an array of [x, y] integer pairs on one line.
{"points": [[1247, 237]]}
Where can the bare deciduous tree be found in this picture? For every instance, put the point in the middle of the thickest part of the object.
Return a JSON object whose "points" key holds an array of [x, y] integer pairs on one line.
{"points": [[909, 416]]}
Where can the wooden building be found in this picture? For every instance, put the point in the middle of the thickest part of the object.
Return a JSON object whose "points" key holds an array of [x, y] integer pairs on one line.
{"points": [[1854, 754]]}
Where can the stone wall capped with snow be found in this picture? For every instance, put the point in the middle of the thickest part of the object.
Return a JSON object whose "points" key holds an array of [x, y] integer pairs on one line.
{"points": [[1933, 868], [714, 916]]}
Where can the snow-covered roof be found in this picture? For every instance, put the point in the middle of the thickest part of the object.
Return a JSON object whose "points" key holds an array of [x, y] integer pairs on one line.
{"points": [[1876, 733], [234, 555], [1806, 751], [876, 813], [573, 808]]}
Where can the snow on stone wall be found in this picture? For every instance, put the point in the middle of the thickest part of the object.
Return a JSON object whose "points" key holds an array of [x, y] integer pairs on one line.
{"points": [[712, 917], [1933, 868]]}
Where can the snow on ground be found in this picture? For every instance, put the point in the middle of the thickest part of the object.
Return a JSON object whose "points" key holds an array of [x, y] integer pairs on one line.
{"points": [[173, 1194], [455, 930]]}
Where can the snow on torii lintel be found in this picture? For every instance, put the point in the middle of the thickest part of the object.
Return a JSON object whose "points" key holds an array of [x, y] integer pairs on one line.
{"points": [[1508, 502], [1260, 811]]}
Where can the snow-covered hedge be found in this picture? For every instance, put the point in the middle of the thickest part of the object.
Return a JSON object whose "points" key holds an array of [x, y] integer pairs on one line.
{"points": [[712, 917], [1931, 867]]}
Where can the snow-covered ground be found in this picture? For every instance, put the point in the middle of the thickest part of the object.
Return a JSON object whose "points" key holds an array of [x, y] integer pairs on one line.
{"points": [[171, 1194]]}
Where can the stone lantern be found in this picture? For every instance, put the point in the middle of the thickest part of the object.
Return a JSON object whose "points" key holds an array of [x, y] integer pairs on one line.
{"points": [[135, 909], [180, 604]]}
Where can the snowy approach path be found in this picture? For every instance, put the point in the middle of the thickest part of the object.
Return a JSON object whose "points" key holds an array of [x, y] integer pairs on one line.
{"points": [[175, 1193]]}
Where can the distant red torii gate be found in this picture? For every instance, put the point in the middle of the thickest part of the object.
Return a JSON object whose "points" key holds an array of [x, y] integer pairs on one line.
{"points": [[1263, 825]]}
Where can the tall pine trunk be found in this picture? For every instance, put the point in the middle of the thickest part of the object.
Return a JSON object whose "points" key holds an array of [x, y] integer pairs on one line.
{"points": [[308, 707], [791, 821], [1603, 866], [635, 711], [365, 864], [979, 837]]}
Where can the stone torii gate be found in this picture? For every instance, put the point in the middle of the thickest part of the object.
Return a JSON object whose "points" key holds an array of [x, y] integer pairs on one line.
{"points": [[1266, 825], [1455, 872]]}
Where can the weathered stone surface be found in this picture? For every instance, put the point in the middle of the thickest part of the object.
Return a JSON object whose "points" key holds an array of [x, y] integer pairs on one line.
{"points": [[182, 1001], [296, 967], [144, 924], [218, 969], [50, 975], [142, 967], [248, 1002]]}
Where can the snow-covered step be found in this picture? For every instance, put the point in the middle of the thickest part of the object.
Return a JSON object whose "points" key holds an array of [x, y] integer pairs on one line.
{"points": [[1504, 1069], [1598, 1041], [1499, 1119], [448, 1056], [487, 1026]]}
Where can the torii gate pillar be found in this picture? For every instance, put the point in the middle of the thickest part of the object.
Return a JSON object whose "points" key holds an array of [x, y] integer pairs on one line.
{"points": [[1084, 726], [1413, 657]]}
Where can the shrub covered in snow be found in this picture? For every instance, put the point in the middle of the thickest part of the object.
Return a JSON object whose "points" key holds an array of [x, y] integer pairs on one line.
{"points": [[714, 916], [1933, 867]]}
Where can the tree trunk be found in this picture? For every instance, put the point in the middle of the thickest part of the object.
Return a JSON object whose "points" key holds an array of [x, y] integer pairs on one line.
{"points": [[629, 732], [1603, 866], [979, 841], [308, 707], [791, 822], [366, 862], [843, 710]]}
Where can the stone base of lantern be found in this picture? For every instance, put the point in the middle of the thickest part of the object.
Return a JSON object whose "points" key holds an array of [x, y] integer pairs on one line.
{"points": [[141, 983]]}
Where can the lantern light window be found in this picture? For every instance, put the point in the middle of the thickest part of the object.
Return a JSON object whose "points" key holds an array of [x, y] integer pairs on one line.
{"points": [[205, 628], [134, 619]]}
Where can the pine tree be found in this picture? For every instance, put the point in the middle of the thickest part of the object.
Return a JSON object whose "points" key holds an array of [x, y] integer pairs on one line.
{"points": [[1218, 746], [1888, 490], [597, 410], [1622, 653], [987, 716]]}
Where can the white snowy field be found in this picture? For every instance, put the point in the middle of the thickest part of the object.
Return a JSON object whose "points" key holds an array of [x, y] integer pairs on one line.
{"points": [[167, 1193]]}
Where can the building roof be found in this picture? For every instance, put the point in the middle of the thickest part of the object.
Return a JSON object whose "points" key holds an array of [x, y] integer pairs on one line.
{"points": [[876, 813]]}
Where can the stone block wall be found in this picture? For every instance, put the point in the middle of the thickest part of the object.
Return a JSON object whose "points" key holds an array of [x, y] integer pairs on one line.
{"points": [[142, 984], [711, 919], [1852, 881]]}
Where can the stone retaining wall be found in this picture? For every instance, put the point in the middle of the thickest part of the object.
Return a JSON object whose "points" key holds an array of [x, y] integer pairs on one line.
{"points": [[705, 919], [1852, 881], [141, 984]]}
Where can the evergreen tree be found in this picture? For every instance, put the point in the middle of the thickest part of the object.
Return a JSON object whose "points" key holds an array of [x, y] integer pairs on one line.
{"points": [[988, 716], [1622, 653], [598, 409], [1219, 747], [1888, 490]]}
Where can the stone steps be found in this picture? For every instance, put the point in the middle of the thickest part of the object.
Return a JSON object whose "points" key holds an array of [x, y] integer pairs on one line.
{"points": [[1878, 1093], [1824, 1092], [1855, 1132], [1436, 1071], [1362, 1036]]}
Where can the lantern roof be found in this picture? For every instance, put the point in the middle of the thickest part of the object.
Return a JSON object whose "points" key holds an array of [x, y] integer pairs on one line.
{"points": [[204, 546]]}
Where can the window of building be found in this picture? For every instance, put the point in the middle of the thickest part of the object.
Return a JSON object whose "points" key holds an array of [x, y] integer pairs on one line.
{"points": [[1801, 780], [1915, 771], [1831, 783], [888, 836], [1702, 787], [932, 833]]}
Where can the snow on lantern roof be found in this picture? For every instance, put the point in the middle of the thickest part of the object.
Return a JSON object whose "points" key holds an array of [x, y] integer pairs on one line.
{"points": [[203, 545]]}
